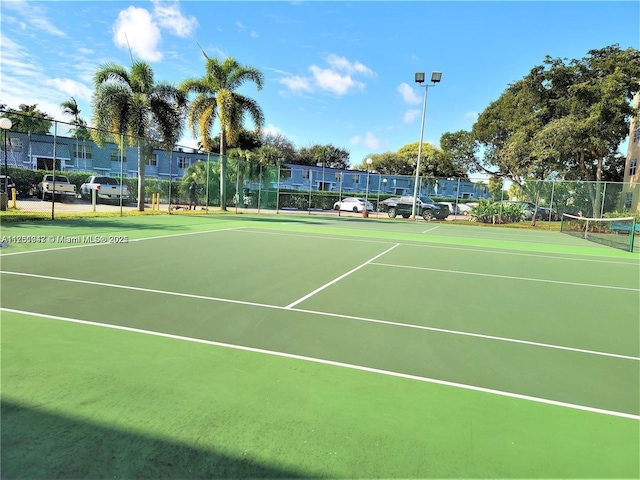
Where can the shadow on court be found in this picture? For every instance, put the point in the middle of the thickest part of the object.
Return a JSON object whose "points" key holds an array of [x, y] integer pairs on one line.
{"points": [[39, 445]]}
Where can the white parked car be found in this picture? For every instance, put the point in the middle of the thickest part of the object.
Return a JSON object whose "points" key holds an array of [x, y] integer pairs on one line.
{"points": [[464, 208], [452, 208], [353, 204]]}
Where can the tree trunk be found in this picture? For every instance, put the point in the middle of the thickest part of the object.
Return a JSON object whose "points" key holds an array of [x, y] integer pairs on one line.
{"points": [[140, 180], [223, 172], [598, 194]]}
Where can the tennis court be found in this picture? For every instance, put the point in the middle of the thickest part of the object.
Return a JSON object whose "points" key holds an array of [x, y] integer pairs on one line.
{"points": [[308, 346]]}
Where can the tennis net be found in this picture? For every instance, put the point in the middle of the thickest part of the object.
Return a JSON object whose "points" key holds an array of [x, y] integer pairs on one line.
{"points": [[613, 232]]}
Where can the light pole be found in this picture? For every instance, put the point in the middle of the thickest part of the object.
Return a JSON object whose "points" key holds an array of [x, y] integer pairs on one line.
{"points": [[419, 78], [366, 196], [5, 124]]}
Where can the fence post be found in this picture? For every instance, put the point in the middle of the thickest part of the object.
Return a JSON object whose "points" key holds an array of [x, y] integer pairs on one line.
{"points": [[53, 194], [206, 194], [278, 191]]}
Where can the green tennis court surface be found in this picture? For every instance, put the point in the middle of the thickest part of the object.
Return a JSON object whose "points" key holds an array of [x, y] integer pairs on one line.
{"points": [[283, 346]]}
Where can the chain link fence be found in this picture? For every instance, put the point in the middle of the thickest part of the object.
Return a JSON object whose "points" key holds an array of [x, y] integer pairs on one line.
{"points": [[149, 178]]}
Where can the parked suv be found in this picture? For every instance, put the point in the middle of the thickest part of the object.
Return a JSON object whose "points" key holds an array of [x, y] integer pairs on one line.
{"points": [[425, 207]]}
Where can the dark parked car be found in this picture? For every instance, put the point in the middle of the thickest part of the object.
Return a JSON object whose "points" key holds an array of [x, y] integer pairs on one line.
{"points": [[6, 184], [425, 207]]}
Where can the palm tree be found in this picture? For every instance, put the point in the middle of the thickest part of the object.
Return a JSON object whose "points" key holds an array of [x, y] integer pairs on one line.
{"points": [[216, 97], [132, 104], [80, 131]]}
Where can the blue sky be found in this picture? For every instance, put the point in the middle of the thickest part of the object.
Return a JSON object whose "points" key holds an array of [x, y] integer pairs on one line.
{"points": [[335, 72]]}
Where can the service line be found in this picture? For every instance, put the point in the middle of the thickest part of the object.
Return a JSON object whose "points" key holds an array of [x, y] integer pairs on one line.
{"points": [[327, 314], [302, 299]]}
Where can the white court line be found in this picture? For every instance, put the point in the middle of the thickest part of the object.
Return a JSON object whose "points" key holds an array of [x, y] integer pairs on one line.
{"points": [[334, 364], [302, 299], [431, 229], [492, 250], [327, 314], [106, 243], [526, 279]]}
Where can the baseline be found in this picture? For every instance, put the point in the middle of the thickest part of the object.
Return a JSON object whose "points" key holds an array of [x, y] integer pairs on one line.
{"points": [[335, 364]]}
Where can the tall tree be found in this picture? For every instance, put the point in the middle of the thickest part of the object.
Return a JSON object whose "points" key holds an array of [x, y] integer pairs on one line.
{"points": [[27, 118], [80, 132], [132, 104], [285, 147], [328, 155], [217, 99], [565, 118]]}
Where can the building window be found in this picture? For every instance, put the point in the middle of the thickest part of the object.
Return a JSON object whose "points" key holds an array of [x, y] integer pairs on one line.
{"points": [[82, 151], [356, 179], [338, 177], [636, 134], [305, 174], [153, 160], [628, 200], [184, 162], [114, 153], [633, 167]]}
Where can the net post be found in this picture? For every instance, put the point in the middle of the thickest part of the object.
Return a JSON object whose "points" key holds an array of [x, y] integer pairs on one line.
{"points": [[632, 235]]}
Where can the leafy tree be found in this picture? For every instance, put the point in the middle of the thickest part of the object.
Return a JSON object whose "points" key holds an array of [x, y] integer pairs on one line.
{"points": [[284, 146], [391, 163], [247, 140], [217, 98], [328, 155], [27, 118], [564, 118], [433, 161], [132, 104]]}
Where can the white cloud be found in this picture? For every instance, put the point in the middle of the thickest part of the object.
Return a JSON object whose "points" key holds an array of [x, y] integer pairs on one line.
{"points": [[338, 79], [169, 17], [409, 95], [332, 81], [410, 115], [136, 29], [254, 34], [296, 83], [341, 63], [71, 88], [369, 140], [34, 17], [240, 26], [271, 129]]}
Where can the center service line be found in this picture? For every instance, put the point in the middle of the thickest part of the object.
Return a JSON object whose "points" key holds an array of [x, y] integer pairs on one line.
{"points": [[291, 305]]}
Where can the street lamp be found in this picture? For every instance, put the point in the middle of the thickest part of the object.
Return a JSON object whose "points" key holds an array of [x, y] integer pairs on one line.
{"points": [[366, 197], [5, 124], [419, 78]]}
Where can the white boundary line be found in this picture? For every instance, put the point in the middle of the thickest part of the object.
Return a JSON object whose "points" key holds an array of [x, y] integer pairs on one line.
{"points": [[335, 364], [431, 229], [526, 279], [328, 314], [302, 299]]}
